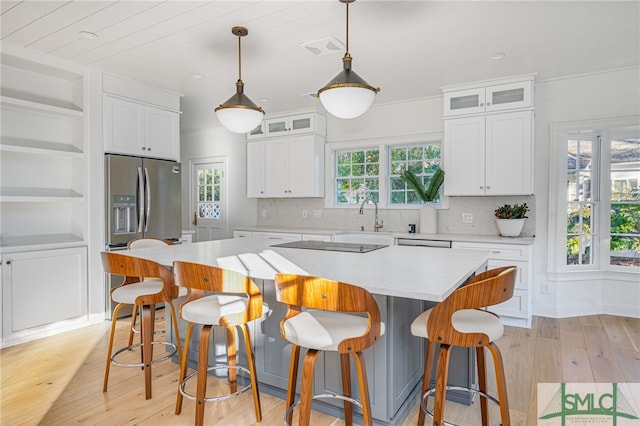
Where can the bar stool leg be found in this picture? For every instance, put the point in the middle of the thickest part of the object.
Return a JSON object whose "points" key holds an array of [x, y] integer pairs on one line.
{"points": [[174, 321], [252, 372], [442, 373], [232, 359], [501, 383], [110, 348], [307, 386], [293, 380], [134, 316], [146, 325], [345, 365], [482, 384], [184, 362], [426, 378], [203, 361], [364, 389]]}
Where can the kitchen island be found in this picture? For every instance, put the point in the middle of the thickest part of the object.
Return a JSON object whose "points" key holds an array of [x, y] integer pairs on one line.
{"points": [[404, 280]]}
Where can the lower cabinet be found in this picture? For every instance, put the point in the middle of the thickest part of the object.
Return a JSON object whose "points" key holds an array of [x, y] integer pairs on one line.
{"points": [[516, 311], [41, 288]]}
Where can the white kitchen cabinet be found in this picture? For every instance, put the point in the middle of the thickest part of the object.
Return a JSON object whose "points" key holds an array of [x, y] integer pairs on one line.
{"points": [[41, 288], [307, 123], [43, 176], [277, 236], [290, 167], [137, 129], [489, 154], [492, 98], [242, 234], [517, 310], [316, 237], [256, 170]]}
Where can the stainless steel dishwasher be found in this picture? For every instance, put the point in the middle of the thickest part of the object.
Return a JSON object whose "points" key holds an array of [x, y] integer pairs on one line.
{"points": [[424, 243]]}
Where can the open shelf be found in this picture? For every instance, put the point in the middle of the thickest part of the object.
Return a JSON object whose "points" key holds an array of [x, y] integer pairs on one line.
{"points": [[40, 241], [59, 111], [29, 146], [21, 195]]}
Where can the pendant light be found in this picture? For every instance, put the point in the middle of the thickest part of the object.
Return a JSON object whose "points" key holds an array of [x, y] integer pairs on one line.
{"points": [[239, 114], [347, 95]]}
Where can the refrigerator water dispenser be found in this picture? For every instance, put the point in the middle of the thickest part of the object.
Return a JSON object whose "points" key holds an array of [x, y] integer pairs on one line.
{"points": [[124, 214]]}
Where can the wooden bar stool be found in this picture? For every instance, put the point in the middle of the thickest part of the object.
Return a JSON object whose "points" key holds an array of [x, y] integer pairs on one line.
{"points": [[327, 326], [143, 294], [460, 320], [235, 302]]}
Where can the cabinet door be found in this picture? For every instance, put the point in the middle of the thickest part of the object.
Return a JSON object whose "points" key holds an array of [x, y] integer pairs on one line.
{"points": [[464, 156], [123, 126], [464, 102], [277, 126], [43, 287], [257, 133], [509, 153], [162, 134], [509, 96], [303, 123], [256, 170], [302, 167], [277, 168]]}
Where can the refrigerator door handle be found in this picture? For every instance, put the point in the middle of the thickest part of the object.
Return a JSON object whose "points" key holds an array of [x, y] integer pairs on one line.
{"points": [[148, 200], [140, 199]]}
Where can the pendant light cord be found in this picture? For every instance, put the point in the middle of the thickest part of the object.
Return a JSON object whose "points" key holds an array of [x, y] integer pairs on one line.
{"points": [[239, 57], [347, 3]]}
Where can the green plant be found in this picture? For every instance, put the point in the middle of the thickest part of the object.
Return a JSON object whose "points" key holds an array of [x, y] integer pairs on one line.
{"points": [[515, 211], [429, 193]]}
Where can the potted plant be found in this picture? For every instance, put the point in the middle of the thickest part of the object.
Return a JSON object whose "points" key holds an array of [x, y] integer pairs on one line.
{"points": [[510, 219], [428, 213]]}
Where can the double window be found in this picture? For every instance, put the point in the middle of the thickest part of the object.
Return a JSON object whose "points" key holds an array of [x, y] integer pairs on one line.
{"points": [[374, 172], [600, 205]]}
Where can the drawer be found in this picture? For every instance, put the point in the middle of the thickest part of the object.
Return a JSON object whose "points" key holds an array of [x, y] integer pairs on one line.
{"points": [[499, 251], [316, 237], [241, 234], [522, 275], [517, 306], [281, 236]]}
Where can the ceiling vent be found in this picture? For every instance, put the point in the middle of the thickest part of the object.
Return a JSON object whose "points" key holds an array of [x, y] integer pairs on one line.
{"points": [[323, 46]]}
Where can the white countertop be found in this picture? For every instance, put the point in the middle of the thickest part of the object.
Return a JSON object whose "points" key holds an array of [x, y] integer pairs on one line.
{"points": [[478, 238], [413, 272]]}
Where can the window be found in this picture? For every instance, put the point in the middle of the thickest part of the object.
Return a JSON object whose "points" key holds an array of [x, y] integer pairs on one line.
{"points": [[602, 198], [357, 176], [422, 160]]}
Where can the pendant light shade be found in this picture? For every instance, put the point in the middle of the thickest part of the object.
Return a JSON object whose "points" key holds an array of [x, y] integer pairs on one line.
{"points": [[347, 95], [239, 114]]}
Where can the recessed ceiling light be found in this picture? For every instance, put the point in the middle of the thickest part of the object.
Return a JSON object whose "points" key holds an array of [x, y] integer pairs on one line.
{"points": [[497, 56], [197, 75], [88, 34], [264, 100]]}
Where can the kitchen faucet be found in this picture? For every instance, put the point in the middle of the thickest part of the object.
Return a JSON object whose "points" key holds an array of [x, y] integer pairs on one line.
{"points": [[376, 226]]}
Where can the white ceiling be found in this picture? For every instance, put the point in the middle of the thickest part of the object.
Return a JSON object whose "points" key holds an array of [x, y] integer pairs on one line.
{"points": [[408, 48]]}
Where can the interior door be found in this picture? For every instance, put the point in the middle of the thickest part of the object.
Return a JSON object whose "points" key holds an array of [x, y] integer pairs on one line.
{"points": [[209, 200]]}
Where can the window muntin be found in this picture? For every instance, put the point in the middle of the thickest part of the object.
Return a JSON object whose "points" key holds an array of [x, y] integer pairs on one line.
{"points": [[208, 189], [357, 176], [422, 160]]}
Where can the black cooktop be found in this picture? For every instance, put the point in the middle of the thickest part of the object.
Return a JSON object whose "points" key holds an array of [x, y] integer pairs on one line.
{"points": [[329, 246]]}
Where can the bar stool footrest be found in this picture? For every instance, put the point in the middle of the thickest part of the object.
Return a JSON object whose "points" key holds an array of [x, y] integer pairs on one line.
{"points": [[216, 398], [173, 352], [431, 391], [329, 395]]}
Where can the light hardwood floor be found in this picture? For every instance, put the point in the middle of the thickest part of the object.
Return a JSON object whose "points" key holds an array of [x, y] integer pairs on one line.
{"points": [[58, 380]]}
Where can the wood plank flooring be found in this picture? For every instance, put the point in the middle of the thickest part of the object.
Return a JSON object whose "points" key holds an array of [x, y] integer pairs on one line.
{"points": [[58, 380]]}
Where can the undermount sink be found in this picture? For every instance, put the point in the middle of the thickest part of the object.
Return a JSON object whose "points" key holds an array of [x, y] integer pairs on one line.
{"points": [[363, 237]]}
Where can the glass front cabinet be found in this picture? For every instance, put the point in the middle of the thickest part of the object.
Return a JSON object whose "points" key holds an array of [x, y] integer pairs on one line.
{"points": [[488, 99]]}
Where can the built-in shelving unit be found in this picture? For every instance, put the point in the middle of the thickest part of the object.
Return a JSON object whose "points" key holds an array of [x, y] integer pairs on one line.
{"points": [[43, 186]]}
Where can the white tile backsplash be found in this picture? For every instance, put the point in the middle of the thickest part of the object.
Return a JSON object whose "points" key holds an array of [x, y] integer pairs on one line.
{"points": [[289, 213]]}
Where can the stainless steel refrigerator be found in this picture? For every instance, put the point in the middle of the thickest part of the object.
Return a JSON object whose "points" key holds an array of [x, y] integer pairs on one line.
{"points": [[143, 200]]}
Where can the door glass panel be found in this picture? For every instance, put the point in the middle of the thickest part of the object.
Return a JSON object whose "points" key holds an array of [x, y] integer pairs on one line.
{"points": [[301, 123], [278, 126], [507, 96], [461, 102]]}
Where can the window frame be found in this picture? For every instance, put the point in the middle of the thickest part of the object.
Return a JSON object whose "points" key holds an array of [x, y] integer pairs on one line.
{"points": [[382, 145], [557, 254]]}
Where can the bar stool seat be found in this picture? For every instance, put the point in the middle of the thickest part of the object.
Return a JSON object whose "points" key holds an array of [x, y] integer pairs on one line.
{"points": [[462, 320]]}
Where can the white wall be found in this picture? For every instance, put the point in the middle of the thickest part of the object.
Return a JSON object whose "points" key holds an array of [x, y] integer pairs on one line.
{"points": [[219, 142]]}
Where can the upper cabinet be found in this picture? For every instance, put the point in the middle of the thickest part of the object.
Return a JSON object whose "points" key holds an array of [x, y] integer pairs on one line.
{"points": [[488, 139], [296, 124], [142, 130], [493, 98]]}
